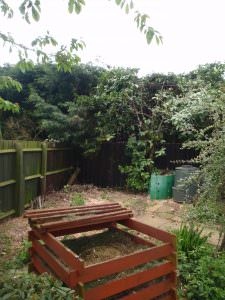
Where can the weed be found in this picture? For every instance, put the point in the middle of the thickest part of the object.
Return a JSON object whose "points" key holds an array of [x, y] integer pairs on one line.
{"points": [[105, 195], [77, 199], [66, 188], [23, 256]]}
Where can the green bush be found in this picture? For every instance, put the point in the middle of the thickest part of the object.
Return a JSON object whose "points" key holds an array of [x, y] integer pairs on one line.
{"points": [[201, 268], [202, 278], [33, 287]]}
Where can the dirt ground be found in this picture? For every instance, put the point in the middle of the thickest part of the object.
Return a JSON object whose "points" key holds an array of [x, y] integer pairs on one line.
{"points": [[165, 214]]}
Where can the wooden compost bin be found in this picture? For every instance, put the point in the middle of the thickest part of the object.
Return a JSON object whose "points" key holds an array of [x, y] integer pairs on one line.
{"points": [[49, 254]]}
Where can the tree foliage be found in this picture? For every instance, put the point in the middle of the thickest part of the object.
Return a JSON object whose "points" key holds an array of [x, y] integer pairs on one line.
{"points": [[90, 106], [64, 56], [198, 115]]}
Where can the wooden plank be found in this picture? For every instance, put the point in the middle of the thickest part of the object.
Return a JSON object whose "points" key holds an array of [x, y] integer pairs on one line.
{"points": [[150, 292], [32, 150], [69, 257], [105, 220], [53, 210], [135, 238], [31, 177], [73, 210], [49, 173], [86, 221], [8, 182], [118, 286], [38, 265], [51, 261], [44, 157], [149, 230], [6, 151], [59, 149], [20, 185], [82, 229], [116, 265], [41, 219]]}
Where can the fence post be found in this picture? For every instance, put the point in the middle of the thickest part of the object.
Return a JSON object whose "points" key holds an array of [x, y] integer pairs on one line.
{"points": [[43, 169], [20, 183]]}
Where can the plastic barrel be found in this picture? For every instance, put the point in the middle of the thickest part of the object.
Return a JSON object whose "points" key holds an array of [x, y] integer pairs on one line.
{"points": [[184, 191], [161, 186]]}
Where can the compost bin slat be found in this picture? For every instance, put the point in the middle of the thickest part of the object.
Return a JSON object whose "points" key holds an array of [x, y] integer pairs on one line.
{"points": [[81, 229], [52, 262], [75, 209], [106, 217], [38, 265], [129, 282], [32, 212], [109, 267], [58, 248], [135, 238], [76, 213], [151, 292], [149, 230]]}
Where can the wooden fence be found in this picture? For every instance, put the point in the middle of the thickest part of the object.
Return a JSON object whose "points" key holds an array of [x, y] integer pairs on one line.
{"points": [[29, 169], [103, 168]]}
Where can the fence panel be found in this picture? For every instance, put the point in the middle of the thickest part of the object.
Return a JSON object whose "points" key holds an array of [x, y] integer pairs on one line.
{"points": [[103, 168], [27, 170]]}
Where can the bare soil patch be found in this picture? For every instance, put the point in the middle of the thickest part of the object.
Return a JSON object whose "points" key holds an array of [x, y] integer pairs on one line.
{"points": [[165, 214]]}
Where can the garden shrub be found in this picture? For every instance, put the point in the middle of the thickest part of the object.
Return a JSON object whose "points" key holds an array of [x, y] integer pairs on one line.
{"points": [[33, 287], [201, 268], [190, 239], [203, 279]]}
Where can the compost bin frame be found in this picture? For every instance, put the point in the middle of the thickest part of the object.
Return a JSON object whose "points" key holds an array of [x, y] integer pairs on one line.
{"points": [[50, 255]]}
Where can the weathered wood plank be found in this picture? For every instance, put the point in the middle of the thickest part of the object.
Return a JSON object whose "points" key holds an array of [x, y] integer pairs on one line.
{"points": [[116, 265], [118, 286]]}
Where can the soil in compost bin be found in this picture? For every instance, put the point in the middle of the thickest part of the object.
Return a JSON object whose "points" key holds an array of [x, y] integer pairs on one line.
{"points": [[103, 246]]}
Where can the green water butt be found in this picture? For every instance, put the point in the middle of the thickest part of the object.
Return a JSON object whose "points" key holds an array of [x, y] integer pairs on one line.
{"points": [[161, 186]]}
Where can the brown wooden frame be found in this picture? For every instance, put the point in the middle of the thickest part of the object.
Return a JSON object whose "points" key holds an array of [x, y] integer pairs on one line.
{"points": [[50, 255]]}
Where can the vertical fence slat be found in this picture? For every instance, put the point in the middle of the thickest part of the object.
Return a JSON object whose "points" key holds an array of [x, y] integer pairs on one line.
{"points": [[43, 169], [20, 184]]}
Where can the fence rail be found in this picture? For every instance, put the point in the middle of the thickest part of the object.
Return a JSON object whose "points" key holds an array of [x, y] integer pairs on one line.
{"points": [[29, 169]]}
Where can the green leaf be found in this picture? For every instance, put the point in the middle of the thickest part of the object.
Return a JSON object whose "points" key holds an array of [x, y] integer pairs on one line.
{"points": [[35, 14], [149, 35], [70, 6], [78, 8]]}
